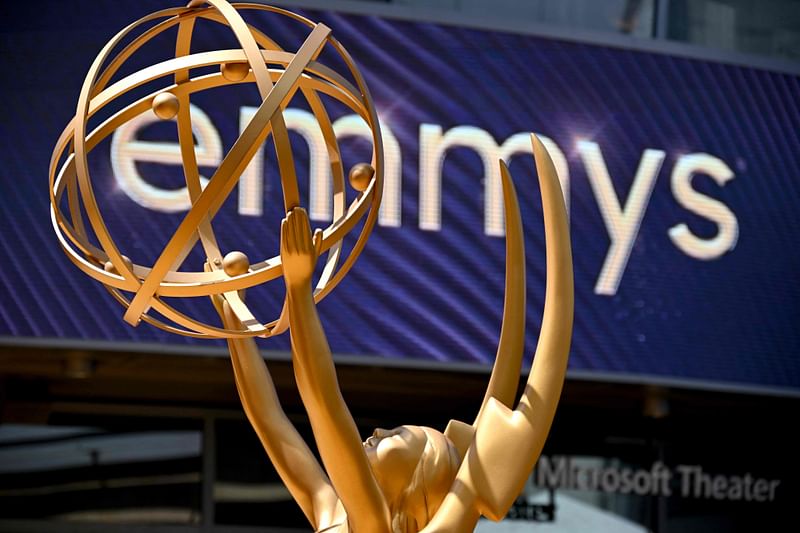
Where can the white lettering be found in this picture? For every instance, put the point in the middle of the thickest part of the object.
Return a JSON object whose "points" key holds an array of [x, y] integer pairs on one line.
{"points": [[320, 180], [622, 218], [552, 474], [697, 484], [433, 147], [392, 202], [251, 183], [127, 150], [622, 223], [661, 477], [728, 227]]}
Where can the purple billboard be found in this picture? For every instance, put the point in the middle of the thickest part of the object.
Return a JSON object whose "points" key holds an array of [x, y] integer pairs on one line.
{"points": [[680, 176]]}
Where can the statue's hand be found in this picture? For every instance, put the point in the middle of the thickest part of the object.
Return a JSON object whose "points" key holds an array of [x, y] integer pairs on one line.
{"points": [[299, 250]]}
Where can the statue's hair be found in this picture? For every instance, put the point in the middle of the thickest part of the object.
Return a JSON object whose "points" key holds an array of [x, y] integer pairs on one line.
{"points": [[430, 483]]}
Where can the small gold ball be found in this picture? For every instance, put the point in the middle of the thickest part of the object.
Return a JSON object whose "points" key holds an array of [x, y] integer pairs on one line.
{"points": [[234, 71], [109, 266], [360, 176], [235, 264], [165, 105]]}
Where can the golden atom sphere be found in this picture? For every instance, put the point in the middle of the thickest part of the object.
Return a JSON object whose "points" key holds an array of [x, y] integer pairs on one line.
{"points": [[166, 105], [360, 176], [235, 263], [279, 75], [235, 71]]}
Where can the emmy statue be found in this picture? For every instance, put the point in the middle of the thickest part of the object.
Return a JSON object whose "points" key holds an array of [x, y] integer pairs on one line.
{"points": [[407, 479]]}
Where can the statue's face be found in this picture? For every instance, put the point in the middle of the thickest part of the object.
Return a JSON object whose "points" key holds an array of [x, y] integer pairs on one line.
{"points": [[393, 455]]}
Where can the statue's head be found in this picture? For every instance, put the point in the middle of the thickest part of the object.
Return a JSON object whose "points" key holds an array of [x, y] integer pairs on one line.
{"points": [[414, 467]]}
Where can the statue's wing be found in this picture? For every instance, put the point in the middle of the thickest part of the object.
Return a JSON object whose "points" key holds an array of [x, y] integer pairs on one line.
{"points": [[494, 470], [508, 361]]}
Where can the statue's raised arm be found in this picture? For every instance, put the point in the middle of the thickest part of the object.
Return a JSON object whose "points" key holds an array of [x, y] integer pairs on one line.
{"points": [[334, 429], [288, 452], [396, 480]]}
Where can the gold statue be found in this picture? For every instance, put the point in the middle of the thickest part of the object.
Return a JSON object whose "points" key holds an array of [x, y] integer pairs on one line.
{"points": [[408, 479], [412, 478]]}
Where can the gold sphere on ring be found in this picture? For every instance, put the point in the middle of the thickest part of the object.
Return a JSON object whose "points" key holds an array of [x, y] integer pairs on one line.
{"points": [[235, 264], [109, 266], [234, 71], [166, 105], [280, 76], [361, 176]]}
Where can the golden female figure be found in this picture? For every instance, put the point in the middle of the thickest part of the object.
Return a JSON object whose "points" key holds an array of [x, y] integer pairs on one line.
{"points": [[395, 480], [412, 478]]}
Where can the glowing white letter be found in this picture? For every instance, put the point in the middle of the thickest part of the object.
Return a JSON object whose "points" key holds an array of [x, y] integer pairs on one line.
{"points": [[251, 183], [432, 151], [622, 224], [728, 233], [391, 203], [126, 150]]}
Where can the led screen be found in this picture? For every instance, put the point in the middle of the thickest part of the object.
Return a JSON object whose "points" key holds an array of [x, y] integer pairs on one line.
{"points": [[680, 176]]}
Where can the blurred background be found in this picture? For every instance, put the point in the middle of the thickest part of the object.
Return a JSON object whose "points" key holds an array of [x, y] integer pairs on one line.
{"points": [[674, 126]]}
